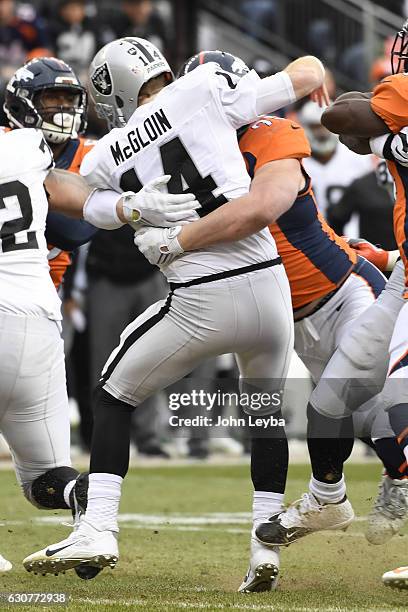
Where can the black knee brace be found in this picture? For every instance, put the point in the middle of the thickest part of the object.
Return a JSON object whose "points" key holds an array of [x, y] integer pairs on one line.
{"points": [[47, 491]]}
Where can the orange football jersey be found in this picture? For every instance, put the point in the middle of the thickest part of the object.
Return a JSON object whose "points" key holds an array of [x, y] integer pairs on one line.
{"points": [[400, 176], [390, 102], [315, 258], [70, 160]]}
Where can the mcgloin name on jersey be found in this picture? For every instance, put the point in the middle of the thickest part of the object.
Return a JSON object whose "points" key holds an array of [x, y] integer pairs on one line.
{"points": [[140, 137]]}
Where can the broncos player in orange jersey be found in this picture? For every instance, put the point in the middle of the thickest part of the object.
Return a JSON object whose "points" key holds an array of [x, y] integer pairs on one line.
{"points": [[45, 93], [377, 122], [330, 286]]}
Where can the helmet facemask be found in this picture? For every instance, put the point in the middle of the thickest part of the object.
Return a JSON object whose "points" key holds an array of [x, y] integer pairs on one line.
{"points": [[60, 122], [63, 115], [399, 51]]}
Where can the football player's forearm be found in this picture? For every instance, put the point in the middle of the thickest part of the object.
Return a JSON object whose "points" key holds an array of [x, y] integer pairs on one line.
{"points": [[104, 209], [237, 219], [273, 190], [67, 193], [307, 74], [231, 222]]}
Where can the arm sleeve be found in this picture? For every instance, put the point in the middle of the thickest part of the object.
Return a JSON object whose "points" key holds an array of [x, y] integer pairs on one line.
{"points": [[245, 99], [94, 168], [100, 209], [273, 139], [390, 101], [66, 233]]}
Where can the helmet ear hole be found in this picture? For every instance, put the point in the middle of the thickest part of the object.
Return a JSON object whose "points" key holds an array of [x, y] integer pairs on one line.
{"points": [[119, 102]]}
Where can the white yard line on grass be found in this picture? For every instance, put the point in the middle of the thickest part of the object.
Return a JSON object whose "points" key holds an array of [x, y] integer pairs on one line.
{"points": [[233, 606], [236, 530], [210, 518], [180, 522]]}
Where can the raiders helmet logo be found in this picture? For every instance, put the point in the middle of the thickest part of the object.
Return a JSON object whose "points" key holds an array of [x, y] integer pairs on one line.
{"points": [[102, 81]]}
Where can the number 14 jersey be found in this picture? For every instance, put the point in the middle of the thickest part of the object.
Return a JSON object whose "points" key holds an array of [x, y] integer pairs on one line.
{"points": [[26, 287], [189, 132]]}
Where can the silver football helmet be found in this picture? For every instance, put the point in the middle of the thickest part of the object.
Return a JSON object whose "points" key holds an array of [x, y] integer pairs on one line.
{"points": [[117, 74]]}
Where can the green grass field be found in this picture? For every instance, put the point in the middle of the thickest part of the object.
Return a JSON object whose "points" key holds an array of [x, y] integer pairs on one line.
{"points": [[179, 553]]}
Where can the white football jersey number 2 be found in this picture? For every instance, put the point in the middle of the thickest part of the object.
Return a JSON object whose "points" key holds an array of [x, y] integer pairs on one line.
{"points": [[16, 216]]}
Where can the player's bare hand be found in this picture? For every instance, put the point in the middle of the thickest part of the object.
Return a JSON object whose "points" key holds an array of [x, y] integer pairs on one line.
{"points": [[321, 96], [159, 246], [153, 206]]}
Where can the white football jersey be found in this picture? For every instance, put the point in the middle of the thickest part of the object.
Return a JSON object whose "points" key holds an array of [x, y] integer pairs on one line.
{"points": [[26, 287], [330, 180], [189, 132]]}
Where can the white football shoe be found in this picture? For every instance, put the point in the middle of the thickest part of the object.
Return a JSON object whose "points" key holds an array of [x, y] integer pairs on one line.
{"points": [[390, 511], [262, 574], [5, 566], [304, 516], [397, 579], [86, 546]]}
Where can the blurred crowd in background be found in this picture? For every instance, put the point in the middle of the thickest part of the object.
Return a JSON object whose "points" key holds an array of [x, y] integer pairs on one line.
{"points": [[109, 283]]}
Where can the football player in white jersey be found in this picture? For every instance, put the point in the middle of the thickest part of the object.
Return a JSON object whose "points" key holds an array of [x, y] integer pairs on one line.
{"points": [[34, 414], [226, 279]]}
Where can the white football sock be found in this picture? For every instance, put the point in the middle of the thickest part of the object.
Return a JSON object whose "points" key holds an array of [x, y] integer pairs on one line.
{"points": [[328, 493], [103, 501], [67, 491], [264, 505]]}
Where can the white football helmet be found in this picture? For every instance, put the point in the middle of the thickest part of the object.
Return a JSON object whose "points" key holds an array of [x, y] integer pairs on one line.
{"points": [[117, 74]]}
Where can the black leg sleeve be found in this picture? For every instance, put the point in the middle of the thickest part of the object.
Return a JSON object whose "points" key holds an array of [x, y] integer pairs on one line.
{"points": [[269, 459], [111, 435], [392, 456], [330, 442]]}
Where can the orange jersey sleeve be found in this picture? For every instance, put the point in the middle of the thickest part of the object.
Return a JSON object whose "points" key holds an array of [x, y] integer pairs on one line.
{"points": [[58, 262], [85, 145], [272, 139], [61, 260], [390, 101]]}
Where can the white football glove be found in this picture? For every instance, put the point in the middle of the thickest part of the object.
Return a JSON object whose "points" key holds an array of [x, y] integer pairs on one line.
{"points": [[153, 206], [159, 246], [397, 145]]}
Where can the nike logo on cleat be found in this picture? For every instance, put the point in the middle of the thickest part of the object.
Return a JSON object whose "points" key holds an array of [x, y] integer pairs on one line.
{"points": [[291, 533], [49, 552]]}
